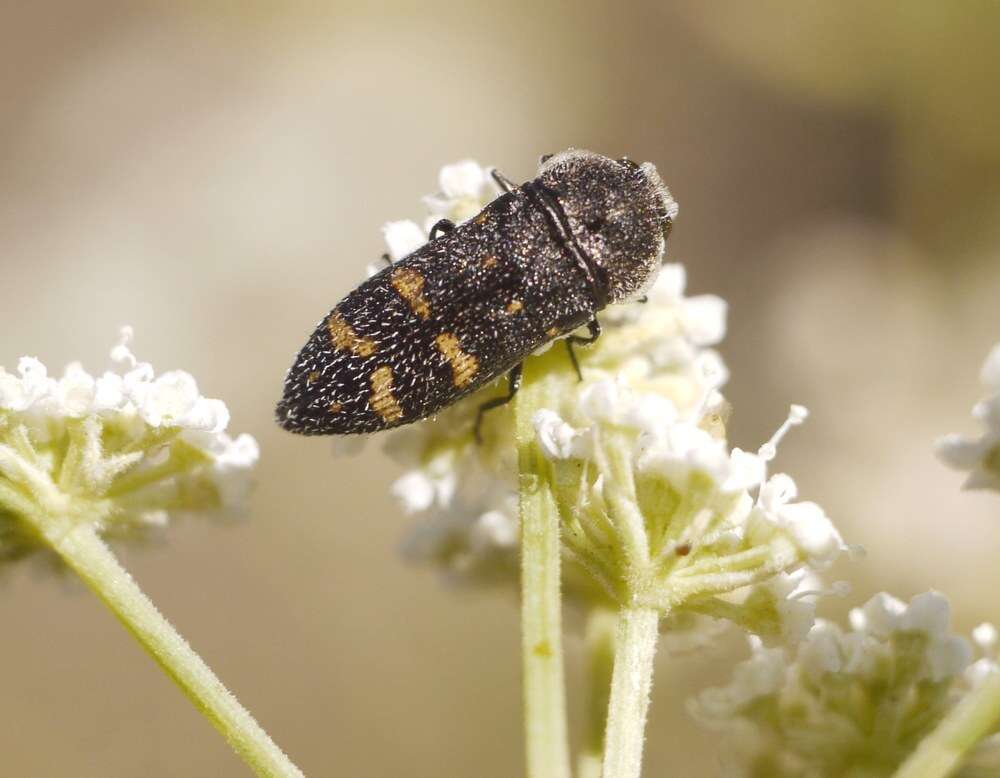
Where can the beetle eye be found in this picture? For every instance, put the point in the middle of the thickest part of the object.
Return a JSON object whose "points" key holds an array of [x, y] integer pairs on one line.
{"points": [[628, 163]]}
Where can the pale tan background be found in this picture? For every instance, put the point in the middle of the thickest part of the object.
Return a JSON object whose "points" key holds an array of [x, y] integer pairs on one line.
{"points": [[216, 175]]}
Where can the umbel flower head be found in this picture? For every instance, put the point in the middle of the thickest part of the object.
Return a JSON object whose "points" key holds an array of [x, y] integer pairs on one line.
{"points": [[119, 452], [656, 508], [658, 511], [852, 702], [980, 457]]}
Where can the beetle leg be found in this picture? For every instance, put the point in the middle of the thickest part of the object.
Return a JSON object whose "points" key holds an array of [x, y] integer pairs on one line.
{"points": [[387, 259], [502, 181], [513, 384], [594, 328], [442, 227]]}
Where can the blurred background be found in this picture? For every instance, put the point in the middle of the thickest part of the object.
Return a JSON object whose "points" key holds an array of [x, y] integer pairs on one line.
{"points": [[216, 174]]}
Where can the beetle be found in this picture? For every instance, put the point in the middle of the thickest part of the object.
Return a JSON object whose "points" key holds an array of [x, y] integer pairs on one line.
{"points": [[537, 263]]}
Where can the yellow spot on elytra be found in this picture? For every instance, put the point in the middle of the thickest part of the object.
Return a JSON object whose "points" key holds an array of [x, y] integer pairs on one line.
{"points": [[343, 337], [336, 407], [481, 218], [463, 366], [514, 306], [552, 332], [382, 400], [409, 284], [490, 261], [311, 378]]}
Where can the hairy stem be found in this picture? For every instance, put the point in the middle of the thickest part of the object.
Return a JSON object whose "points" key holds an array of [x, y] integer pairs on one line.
{"points": [[600, 662], [635, 645], [88, 556], [968, 722], [541, 639]]}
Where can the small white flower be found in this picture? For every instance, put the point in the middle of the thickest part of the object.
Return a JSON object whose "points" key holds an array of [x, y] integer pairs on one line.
{"points": [[822, 653], [928, 612], [31, 388], [12, 395], [948, 657], [702, 318], [986, 637], [76, 391], [648, 412], [173, 400], [109, 392], [980, 457], [602, 400], [879, 616], [465, 187], [806, 522], [795, 594], [233, 462], [670, 284], [415, 491], [494, 529], [679, 450], [760, 676], [35, 379], [746, 471], [555, 436], [403, 238], [120, 352], [463, 179]]}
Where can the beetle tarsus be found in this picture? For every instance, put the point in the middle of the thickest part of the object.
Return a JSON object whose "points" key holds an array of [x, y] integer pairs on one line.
{"points": [[513, 384], [594, 328]]}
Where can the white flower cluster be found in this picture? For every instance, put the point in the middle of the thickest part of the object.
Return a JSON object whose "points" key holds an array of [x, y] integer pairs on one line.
{"points": [[636, 475], [980, 457], [170, 400], [122, 450], [852, 702]]}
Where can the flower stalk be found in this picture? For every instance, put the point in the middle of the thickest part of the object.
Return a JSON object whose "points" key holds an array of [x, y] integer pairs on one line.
{"points": [[635, 646], [961, 729], [80, 547], [541, 620]]}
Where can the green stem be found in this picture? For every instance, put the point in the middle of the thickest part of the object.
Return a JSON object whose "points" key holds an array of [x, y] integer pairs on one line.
{"points": [[599, 644], [635, 646], [968, 722], [84, 551], [541, 639]]}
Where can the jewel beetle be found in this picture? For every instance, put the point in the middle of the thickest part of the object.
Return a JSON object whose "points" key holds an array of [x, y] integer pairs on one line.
{"points": [[471, 304]]}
